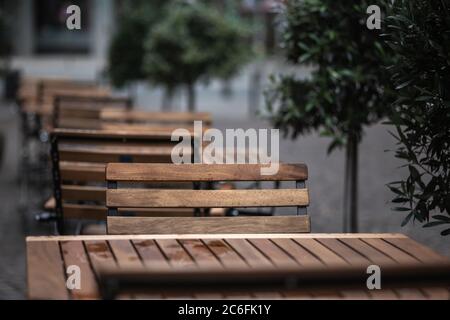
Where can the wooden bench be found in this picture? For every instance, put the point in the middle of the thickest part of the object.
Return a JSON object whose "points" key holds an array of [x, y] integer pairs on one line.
{"points": [[110, 115], [117, 198], [79, 158], [84, 112]]}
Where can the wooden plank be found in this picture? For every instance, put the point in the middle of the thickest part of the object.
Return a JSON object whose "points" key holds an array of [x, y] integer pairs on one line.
{"points": [[86, 193], [391, 251], [351, 257], [75, 254], [157, 198], [46, 274], [227, 256], [203, 172], [82, 172], [202, 256], [81, 211], [99, 212], [109, 114], [327, 256], [196, 225], [376, 257], [348, 254], [368, 251], [249, 253], [163, 134], [151, 255], [221, 236], [417, 250], [277, 256], [125, 254], [175, 253], [301, 255], [99, 254]]}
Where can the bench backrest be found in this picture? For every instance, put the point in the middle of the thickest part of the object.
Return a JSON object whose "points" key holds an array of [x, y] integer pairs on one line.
{"points": [[79, 159], [117, 198], [84, 111]]}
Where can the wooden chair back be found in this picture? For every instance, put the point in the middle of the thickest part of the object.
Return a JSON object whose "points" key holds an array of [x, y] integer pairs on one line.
{"points": [[117, 198], [79, 159], [84, 111]]}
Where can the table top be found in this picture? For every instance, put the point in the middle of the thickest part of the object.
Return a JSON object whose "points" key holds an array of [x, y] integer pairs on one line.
{"points": [[48, 258]]}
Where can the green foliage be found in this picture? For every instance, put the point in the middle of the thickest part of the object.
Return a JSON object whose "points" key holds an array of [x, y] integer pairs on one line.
{"points": [[346, 89], [419, 32], [194, 42], [127, 46]]}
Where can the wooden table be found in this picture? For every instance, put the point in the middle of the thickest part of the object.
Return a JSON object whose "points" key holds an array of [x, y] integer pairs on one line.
{"points": [[48, 257]]}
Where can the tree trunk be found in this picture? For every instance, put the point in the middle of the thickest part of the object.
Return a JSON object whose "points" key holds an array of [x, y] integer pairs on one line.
{"points": [[351, 186], [191, 97], [167, 100]]}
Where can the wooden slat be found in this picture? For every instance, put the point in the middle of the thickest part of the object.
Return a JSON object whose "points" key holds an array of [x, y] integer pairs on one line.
{"points": [[81, 211], [46, 274], [417, 250], [368, 251], [87, 193], [165, 133], [203, 172], [323, 253], [277, 256], [153, 198], [125, 254], [227, 256], [75, 254], [100, 255], [348, 254], [143, 153], [182, 225], [302, 256], [175, 253], [224, 236], [254, 259], [391, 251], [109, 114], [99, 212], [150, 254], [82, 172], [249, 253], [200, 253]]}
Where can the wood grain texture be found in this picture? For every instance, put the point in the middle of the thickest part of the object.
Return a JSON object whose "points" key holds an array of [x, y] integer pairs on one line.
{"points": [[85, 193], [82, 171], [99, 212], [46, 273], [157, 198], [109, 114], [247, 255], [203, 172], [165, 133], [225, 225], [291, 236], [74, 254]]}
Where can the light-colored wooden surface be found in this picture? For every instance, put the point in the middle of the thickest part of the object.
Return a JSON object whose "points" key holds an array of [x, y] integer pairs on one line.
{"points": [[196, 225], [48, 256], [109, 114], [152, 198], [204, 172]]}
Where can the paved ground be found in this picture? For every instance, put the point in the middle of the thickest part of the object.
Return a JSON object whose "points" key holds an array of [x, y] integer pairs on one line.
{"points": [[326, 186]]}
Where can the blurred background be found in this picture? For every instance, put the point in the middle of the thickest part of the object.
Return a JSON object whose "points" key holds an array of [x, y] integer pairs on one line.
{"points": [[36, 43]]}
